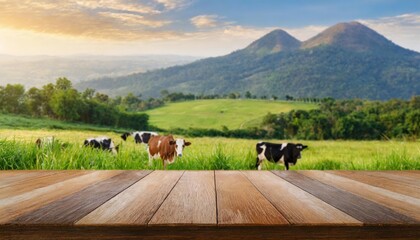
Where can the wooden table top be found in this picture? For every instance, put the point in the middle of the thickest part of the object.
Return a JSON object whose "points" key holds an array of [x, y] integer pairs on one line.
{"points": [[210, 204]]}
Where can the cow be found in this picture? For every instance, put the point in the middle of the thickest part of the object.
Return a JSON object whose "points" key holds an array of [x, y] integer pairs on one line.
{"points": [[50, 141], [139, 137], [45, 141], [104, 143], [287, 153], [165, 148]]}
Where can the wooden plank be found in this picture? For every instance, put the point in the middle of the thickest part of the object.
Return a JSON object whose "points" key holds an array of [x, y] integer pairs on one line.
{"points": [[10, 173], [75, 206], [16, 177], [192, 201], [240, 203], [401, 203], [298, 206], [15, 206], [414, 174], [360, 208], [37, 182], [379, 182], [205, 232], [400, 178], [138, 203]]}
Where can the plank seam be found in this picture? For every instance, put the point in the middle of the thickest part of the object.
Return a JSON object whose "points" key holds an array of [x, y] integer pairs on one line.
{"points": [[25, 180], [338, 209], [148, 172], [215, 194], [357, 217], [281, 213], [375, 185], [167, 195]]}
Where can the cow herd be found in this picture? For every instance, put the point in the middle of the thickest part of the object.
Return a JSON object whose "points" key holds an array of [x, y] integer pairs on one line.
{"points": [[167, 148]]}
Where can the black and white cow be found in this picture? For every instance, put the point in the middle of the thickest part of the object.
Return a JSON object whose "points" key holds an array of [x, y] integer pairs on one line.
{"points": [[139, 137], [287, 153], [104, 143]]}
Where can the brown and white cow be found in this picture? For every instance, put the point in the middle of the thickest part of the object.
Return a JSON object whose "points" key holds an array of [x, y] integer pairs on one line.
{"points": [[166, 148]]}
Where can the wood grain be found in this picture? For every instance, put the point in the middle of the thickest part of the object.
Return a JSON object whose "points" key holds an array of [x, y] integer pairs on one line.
{"points": [[37, 182], [75, 206], [399, 178], [240, 203], [15, 206], [298, 206], [138, 203], [192, 201], [385, 183], [15, 177], [360, 208], [401, 203]]}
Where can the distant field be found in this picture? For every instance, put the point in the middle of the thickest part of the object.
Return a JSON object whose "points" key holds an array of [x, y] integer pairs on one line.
{"points": [[232, 113], [18, 151], [8, 121]]}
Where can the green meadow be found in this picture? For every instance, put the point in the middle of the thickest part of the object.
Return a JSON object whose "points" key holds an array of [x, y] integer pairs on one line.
{"points": [[18, 151], [215, 113]]}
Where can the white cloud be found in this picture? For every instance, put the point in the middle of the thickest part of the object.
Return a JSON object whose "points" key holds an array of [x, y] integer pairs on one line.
{"points": [[118, 5], [403, 30], [205, 21], [134, 20], [174, 4]]}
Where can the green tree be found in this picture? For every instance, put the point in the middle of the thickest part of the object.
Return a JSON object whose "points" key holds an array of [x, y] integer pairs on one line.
{"points": [[248, 95], [63, 84], [13, 97], [88, 93], [66, 104], [48, 92], [413, 122], [35, 101]]}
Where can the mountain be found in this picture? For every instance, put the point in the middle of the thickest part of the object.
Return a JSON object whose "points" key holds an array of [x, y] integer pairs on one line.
{"points": [[40, 70], [347, 60], [351, 36], [275, 41]]}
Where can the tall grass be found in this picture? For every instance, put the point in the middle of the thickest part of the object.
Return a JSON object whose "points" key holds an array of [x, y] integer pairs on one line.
{"points": [[18, 151]]}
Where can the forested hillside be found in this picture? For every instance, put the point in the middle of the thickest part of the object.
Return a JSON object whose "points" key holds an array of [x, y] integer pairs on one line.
{"points": [[345, 61]]}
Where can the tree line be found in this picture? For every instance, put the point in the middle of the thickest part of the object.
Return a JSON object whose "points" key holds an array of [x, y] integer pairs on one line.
{"points": [[348, 119], [335, 119], [63, 102]]}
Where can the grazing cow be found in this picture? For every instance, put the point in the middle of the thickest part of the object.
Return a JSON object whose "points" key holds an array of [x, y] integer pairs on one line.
{"points": [[104, 143], [45, 141], [287, 153], [50, 141], [166, 148], [139, 137]]}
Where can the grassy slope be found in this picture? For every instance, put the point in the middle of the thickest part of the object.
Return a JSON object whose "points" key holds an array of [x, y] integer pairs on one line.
{"points": [[214, 114], [21, 122], [18, 151]]}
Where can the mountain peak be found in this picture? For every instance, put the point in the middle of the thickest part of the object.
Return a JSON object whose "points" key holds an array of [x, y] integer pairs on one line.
{"points": [[273, 42], [350, 35]]}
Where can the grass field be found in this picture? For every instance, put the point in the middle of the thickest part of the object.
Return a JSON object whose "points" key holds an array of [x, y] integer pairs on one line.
{"points": [[18, 151], [232, 113], [8, 121]]}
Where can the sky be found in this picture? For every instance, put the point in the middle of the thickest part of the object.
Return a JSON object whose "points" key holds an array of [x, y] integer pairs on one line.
{"points": [[187, 27]]}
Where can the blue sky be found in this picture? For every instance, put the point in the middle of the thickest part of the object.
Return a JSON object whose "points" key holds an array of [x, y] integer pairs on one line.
{"points": [[300, 13], [187, 27]]}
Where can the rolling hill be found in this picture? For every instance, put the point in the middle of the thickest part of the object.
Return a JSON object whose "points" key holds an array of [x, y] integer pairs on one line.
{"points": [[234, 114], [347, 60]]}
